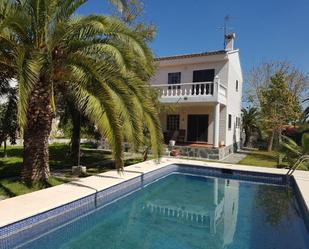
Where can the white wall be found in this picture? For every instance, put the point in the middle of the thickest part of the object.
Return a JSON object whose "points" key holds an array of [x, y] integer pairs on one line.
{"points": [[187, 66], [233, 97]]}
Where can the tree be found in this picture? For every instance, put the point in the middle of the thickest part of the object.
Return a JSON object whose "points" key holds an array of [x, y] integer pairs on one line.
{"points": [[279, 106], [95, 58], [8, 119], [259, 78], [250, 122], [74, 124]]}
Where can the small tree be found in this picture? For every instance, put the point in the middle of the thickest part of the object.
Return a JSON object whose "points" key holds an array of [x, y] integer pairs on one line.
{"points": [[279, 106], [8, 120], [250, 122], [74, 124]]}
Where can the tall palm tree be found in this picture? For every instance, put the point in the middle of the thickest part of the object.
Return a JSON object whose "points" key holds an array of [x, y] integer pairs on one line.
{"points": [[250, 119], [103, 63]]}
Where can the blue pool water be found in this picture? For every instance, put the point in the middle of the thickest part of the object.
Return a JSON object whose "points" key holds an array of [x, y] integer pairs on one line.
{"points": [[183, 212]]}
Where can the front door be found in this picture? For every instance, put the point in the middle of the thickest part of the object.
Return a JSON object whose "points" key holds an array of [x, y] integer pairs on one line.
{"points": [[197, 128]]}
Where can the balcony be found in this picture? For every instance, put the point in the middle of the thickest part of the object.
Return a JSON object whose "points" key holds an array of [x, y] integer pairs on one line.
{"points": [[195, 92]]}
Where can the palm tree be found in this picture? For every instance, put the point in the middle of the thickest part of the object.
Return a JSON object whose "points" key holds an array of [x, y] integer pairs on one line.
{"points": [[250, 120], [102, 62], [294, 153]]}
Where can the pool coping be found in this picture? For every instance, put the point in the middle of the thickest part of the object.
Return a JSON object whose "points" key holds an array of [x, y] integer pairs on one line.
{"points": [[21, 207]]}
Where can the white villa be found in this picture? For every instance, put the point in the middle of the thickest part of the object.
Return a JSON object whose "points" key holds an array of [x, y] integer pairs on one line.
{"points": [[205, 91]]}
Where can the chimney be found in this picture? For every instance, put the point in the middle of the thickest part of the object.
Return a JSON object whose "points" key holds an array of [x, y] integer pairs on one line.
{"points": [[229, 41]]}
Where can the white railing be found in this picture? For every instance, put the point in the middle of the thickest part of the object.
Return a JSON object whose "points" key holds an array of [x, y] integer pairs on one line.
{"points": [[200, 217], [186, 89]]}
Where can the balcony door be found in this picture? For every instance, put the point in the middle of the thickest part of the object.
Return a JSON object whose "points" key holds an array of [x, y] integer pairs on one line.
{"points": [[205, 75], [197, 128]]}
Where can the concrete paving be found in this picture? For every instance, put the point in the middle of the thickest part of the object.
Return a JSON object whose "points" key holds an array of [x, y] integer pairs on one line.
{"points": [[235, 157]]}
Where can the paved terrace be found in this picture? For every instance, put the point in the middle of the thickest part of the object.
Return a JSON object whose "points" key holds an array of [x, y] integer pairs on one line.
{"points": [[21, 207]]}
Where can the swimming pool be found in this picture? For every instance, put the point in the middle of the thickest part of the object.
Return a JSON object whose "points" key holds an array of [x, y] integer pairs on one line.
{"points": [[180, 206]]}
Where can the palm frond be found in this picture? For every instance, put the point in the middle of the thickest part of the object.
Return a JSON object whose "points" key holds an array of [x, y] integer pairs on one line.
{"points": [[27, 74], [102, 112], [290, 145]]}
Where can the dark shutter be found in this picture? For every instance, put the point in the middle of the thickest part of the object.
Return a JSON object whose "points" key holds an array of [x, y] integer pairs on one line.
{"points": [[174, 78], [206, 75], [172, 123], [230, 122]]}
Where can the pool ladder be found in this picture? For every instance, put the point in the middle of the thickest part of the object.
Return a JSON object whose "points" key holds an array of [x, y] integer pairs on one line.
{"points": [[296, 164]]}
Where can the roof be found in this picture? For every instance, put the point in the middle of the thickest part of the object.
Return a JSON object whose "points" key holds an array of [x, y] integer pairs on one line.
{"points": [[184, 56]]}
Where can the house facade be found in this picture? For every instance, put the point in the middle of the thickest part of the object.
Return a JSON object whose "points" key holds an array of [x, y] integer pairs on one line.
{"points": [[202, 93]]}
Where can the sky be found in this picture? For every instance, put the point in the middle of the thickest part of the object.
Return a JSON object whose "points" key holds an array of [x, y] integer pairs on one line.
{"points": [[265, 29]]}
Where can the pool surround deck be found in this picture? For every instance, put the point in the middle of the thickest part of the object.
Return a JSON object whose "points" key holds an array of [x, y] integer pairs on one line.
{"points": [[28, 205]]}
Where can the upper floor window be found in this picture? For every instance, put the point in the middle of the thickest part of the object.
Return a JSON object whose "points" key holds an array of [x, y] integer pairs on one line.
{"points": [[174, 78], [230, 122], [172, 123], [206, 75], [237, 85]]}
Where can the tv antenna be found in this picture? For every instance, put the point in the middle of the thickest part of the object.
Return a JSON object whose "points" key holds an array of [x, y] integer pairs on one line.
{"points": [[226, 27]]}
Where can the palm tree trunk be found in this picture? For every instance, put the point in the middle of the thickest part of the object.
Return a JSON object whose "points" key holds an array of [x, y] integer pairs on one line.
{"points": [[271, 141], [36, 134], [247, 138], [75, 138]]}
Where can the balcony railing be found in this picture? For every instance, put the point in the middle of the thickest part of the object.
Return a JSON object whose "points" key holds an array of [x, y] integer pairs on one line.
{"points": [[192, 92], [186, 89]]}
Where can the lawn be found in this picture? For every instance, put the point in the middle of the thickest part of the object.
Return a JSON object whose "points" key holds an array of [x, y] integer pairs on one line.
{"points": [[264, 158], [97, 161], [260, 158]]}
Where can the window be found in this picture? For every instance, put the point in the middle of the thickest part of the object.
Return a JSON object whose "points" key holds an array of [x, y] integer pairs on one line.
{"points": [[174, 78], [236, 85], [206, 75], [230, 122], [172, 122]]}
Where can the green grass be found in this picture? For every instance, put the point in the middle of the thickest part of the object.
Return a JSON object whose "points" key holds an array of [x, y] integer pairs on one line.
{"points": [[60, 162], [13, 187], [263, 158], [260, 158]]}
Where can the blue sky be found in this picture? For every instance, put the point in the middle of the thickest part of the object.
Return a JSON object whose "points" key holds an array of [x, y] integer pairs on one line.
{"points": [[265, 29]]}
